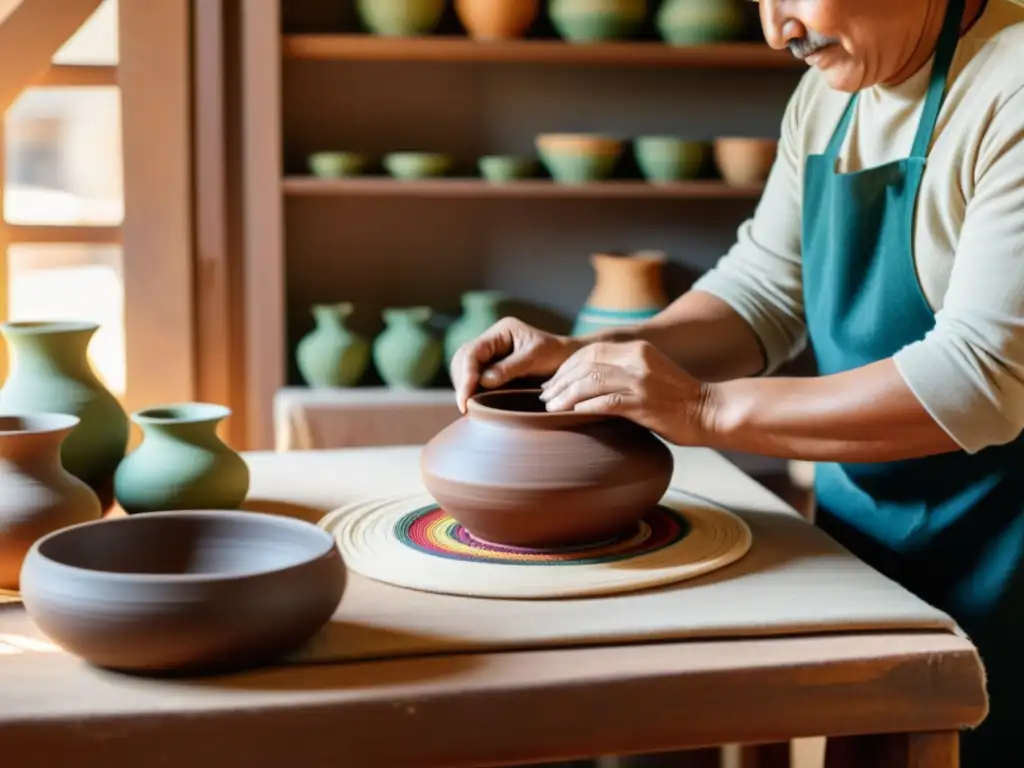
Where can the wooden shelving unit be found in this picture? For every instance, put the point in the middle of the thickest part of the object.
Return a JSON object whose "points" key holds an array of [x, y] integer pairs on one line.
{"points": [[540, 189], [453, 49]]}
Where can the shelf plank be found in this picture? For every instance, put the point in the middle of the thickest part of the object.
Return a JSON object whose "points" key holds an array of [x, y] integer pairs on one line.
{"points": [[531, 188], [463, 49], [77, 75]]}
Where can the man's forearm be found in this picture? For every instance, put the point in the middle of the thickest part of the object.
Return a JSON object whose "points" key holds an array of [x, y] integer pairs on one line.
{"points": [[701, 334], [867, 414]]}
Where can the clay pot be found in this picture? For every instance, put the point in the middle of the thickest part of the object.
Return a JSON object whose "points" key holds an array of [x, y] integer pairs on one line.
{"points": [[745, 161], [400, 18], [578, 158], [497, 19], [181, 462], [183, 591], [332, 355], [37, 495], [337, 165], [407, 354], [51, 373], [480, 310], [628, 289], [502, 169], [666, 159], [591, 21], [411, 166], [513, 474], [700, 22]]}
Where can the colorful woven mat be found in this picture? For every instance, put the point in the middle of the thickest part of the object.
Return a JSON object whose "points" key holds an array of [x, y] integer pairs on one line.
{"points": [[411, 542]]}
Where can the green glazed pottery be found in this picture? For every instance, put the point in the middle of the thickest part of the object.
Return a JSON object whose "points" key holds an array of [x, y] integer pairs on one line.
{"points": [[181, 463], [336, 165], [50, 373], [664, 159], [575, 159], [400, 18], [627, 290], [332, 355], [696, 22], [501, 169], [592, 21], [480, 310], [407, 355], [417, 165]]}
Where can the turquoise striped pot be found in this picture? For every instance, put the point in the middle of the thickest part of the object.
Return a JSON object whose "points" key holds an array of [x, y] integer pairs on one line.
{"points": [[592, 319]]}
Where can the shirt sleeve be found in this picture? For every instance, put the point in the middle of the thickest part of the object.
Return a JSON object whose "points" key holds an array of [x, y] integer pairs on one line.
{"points": [[760, 276], [968, 372]]}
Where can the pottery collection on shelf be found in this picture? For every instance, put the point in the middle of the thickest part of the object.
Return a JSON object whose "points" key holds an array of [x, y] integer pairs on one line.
{"points": [[516, 475], [574, 159], [628, 289]]}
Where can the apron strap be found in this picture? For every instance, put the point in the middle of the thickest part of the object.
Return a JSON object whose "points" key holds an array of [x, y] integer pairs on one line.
{"points": [[944, 52], [839, 135]]}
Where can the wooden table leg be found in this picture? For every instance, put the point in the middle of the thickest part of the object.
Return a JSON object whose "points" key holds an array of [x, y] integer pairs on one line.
{"points": [[906, 750], [766, 755]]}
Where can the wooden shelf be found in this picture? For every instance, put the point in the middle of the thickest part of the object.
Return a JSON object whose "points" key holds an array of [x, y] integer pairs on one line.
{"points": [[540, 188], [463, 49]]}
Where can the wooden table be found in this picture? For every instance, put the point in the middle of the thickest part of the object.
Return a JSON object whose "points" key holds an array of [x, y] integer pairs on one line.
{"points": [[913, 688]]}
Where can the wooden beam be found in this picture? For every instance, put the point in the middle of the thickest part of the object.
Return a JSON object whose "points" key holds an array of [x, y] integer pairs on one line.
{"points": [[30, 34], [155, 78], [263, 280], [56, 233], [77, 76]]}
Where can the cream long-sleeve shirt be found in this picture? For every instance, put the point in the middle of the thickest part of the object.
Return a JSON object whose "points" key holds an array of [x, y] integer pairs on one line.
{"points": [[968, 372]]}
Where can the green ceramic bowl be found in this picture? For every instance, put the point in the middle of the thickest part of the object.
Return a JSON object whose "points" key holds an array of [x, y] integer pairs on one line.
{"points": [[592, 21], [664, 159], [400, 18], [417, 165], [579, 158], [700, 22], [336, 165], [500, 169]]}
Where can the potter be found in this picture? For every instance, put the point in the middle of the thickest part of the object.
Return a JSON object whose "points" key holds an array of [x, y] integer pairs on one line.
{"points": [[888, 239]]}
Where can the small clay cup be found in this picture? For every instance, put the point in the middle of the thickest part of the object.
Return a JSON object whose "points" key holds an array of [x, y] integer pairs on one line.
{"points": [[501, 169], [184, 591], [666, 159], [417, 165], [744, 161], [513, 474], [336, 165]]}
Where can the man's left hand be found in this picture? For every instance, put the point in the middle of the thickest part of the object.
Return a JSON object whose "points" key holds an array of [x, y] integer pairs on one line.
{"points": [[636, 381]]}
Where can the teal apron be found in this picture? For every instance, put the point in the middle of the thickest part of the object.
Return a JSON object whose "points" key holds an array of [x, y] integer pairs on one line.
{"points": [[949, 528]]}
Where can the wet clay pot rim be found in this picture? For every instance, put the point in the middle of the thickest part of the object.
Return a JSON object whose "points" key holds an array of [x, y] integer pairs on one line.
{"points": [[488, 406], [316, 545]]}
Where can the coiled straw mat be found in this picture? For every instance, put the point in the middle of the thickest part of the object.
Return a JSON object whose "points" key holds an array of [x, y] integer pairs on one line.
{"points": [[408, 541]]}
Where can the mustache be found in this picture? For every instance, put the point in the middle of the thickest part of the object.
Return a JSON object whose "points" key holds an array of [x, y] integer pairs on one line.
{"points": [[812, 43]]}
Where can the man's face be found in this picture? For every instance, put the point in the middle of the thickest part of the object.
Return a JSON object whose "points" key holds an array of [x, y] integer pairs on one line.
{"points": [[855, 43]]}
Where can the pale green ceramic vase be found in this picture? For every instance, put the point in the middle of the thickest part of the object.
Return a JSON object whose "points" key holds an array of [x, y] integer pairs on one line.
{"points": [[480, 310], [50, 373], [181, 462], [332, 355], [407, 354]]}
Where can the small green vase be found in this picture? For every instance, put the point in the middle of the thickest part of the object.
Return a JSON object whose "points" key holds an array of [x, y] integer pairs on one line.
{"points": [[50, 373], [699, 22], [400, 18], [407, 355], [181, 463], [480, 310], [592, 21], [332, 355]]}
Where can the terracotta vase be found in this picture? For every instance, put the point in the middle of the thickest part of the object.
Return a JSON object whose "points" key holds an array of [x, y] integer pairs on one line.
{"points": [[497, 19], [400, 18], [37, 495], [332, 355], [181, 463], [184, 592], [407, 354], [697, 22], [480, 310], [513, 474], [50, 373], [745, 161], [627, 289]]}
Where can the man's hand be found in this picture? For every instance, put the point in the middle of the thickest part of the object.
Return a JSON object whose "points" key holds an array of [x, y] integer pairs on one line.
{"points": [[636, 381]]}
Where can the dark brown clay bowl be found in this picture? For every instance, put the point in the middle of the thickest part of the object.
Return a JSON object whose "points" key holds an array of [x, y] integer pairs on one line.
{"points": [[183, 592], [513, 474]]}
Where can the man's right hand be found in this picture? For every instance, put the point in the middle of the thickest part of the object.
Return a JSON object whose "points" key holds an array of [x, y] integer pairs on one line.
{"points": [[509, 349]]}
